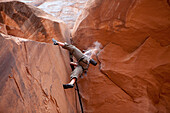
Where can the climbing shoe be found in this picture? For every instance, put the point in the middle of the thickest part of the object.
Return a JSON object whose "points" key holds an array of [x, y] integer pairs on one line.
{"points": [[66, 86], [54, 41], [93, 62]]}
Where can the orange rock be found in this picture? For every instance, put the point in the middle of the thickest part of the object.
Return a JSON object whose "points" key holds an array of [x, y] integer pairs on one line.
{"points": [[32, 73], [133, 71], [31, 77], [65, 10], [132, 75], [29, 22]]}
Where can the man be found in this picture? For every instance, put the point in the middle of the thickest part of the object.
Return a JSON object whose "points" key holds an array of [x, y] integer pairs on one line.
{"points": [[82, 64]]}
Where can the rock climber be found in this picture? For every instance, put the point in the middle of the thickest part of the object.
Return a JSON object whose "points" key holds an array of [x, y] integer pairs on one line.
{"points": [[82, 64]]}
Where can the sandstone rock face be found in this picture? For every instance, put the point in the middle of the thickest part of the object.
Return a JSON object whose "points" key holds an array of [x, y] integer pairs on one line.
{"points": [[133, 75], [32, 72], [21, 20], [65, 10], [31, 77]]}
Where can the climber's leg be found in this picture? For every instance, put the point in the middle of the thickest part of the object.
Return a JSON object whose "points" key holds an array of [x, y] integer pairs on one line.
{"points": [[73, 81], [76, 72], [71, 84], [74, 76], [73, 50]]}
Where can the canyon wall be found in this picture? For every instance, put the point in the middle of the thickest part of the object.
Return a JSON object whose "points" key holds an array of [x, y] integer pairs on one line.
{"points": [[65, 10], [32, 74], [132, 75], [134, 64], [21, 20], [32, 71]]}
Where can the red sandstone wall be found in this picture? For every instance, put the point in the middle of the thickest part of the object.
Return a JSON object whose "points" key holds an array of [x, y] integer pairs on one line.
{"points": [[132, 75], [31, 77], [65, 10], [134, 63], [32, 73], [21, 20]]}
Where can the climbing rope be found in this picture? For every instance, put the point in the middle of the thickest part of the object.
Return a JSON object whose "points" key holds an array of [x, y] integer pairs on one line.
{"points": [[76, 101], [77, 88]]}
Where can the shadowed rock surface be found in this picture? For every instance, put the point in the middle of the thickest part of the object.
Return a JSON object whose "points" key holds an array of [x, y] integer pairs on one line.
{"points": [[134, 63]]}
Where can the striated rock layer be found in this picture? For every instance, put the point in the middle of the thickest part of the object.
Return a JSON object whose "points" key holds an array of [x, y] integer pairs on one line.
{"points": [[31, 72], [65, 10], [133, 75], [31, 77], [21, 20]]}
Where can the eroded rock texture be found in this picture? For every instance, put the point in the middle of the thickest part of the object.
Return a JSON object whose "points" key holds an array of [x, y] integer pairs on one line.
{"points": [[65, 10], [133, 75], [21, 20], [31, 78], [32, 72]]}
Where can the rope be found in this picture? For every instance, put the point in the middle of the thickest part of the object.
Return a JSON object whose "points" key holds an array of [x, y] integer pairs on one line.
{"points": [[76, 100], [77, 88]]}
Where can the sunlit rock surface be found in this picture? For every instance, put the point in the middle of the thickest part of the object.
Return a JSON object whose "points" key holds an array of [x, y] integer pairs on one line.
{"points": [[21, 20], [31, 77], [133, 75], [65, 10], [32, 73]]}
